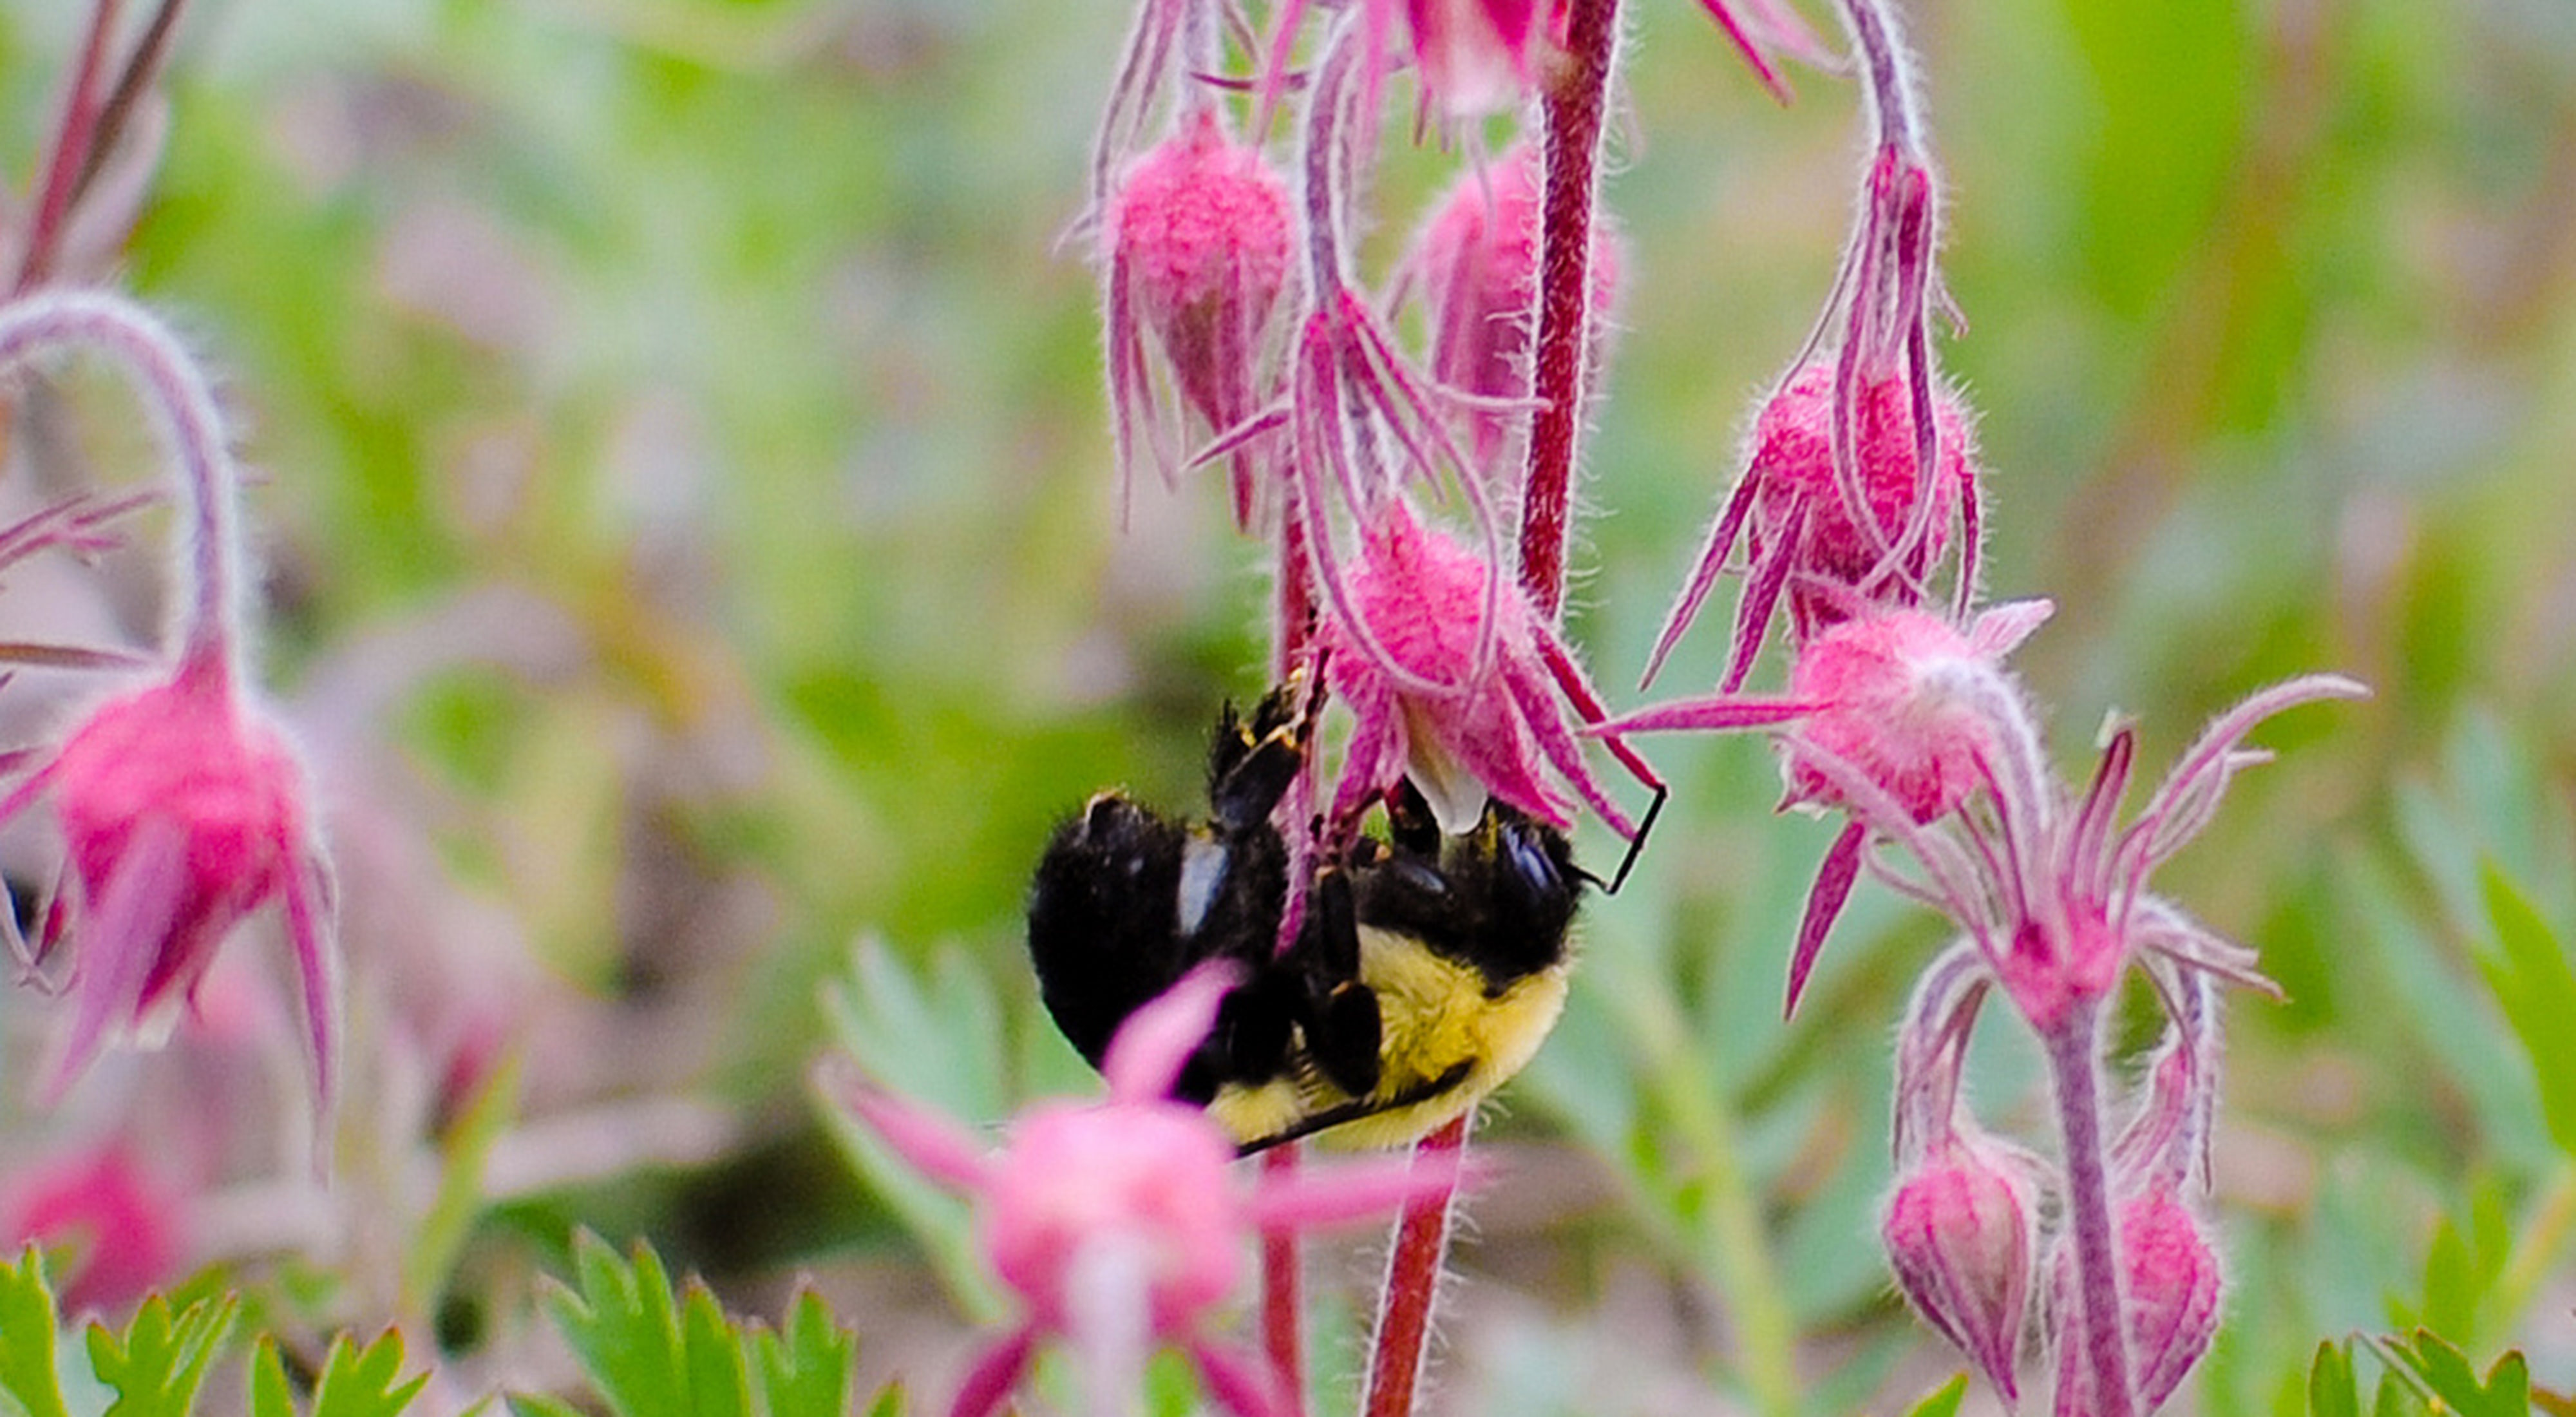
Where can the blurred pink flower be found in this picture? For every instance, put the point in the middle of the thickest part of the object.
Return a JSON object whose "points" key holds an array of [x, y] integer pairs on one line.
{"points": [[127, 1228], [1121, 1225], [182, 813]]}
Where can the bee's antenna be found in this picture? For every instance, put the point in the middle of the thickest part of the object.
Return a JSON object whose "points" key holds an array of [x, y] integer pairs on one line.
{"points": [[1637, 843]]}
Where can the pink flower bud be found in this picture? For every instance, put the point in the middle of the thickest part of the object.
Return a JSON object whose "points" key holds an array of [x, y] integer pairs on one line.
{"points": [[1793, 474], [1476, 260], [2173, 1284], [124, 1221], [1198, 236], [2169, 1287], [1892, 711], [1958, 1234]]}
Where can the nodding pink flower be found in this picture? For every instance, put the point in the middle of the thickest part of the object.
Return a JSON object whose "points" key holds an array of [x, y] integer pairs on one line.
{"points": [[1121, 1225], [182, 809], [1475, 263], [1900, 699], [1833, 545], [1197, 245], [1427, 708], [2045, 882], [182, 813], [2170, 1280], [127, 1227]]}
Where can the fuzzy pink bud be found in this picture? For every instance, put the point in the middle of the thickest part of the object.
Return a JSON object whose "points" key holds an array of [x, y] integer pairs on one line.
{"points": [[2173, 1284], [1892, 712], [1476, 260], [2169, 1288], [1793, 474], [1958, 1234], [1198, 235]]}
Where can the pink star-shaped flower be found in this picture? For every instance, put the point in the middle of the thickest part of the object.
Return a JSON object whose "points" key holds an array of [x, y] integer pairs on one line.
{"points": [[1121, 1225]]}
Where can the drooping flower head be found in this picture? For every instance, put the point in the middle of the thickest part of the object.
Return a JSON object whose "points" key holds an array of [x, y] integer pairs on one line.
{"points": [[1830, 544], [1475, 265], [1861, 458], [182, 810], [1196, 246], [1427, 708], [1121, 1225]]}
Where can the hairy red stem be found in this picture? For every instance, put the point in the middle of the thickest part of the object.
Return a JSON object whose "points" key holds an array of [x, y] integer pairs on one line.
{"points": [[1412, 1283], [1574, 108]]}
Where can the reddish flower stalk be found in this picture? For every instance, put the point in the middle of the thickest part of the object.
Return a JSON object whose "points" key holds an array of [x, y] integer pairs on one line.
{"points": [[1412, 1284], [1574, 108]]}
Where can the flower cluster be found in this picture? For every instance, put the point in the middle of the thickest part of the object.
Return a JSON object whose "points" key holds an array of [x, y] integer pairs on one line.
{"points": [[1901, 717]]}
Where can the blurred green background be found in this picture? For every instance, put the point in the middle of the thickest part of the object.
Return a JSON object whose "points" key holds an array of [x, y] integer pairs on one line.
{"points": [[741, 337]]}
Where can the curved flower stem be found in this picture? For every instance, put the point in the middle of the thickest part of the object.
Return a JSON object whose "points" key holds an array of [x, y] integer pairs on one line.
{"points": [[1412, 1283], [1574, 108], [2071, 1042], [183, 407]]}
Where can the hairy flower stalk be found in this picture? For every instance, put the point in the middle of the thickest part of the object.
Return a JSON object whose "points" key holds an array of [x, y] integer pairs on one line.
{"points": [[182, 809]]}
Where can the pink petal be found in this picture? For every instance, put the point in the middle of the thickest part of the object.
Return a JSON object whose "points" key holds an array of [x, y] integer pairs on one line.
{"points": [[124, 933], [936, 1147], [1148, 1050], [310, 907], [1824, 904], [1999, 630], [995, 1372], [1716, 713], [1361, 1189]]}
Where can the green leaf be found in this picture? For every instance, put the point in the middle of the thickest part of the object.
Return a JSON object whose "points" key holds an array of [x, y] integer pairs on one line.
{"points": [[889, 1403], [2533, 983], [2331, 1389], [650, 1354], [365, 1381], [160, 1361], [805, 1369], [442, 1232], [27, 1325], [1943, 1402], [2446, 1376], [534, 1404], [270, 1393]]}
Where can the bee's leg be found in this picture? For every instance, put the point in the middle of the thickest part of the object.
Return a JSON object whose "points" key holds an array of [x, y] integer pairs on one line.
{"points": [[1343, 1030], [1359, 1107]]}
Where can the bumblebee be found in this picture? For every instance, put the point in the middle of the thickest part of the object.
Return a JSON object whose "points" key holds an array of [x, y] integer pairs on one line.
{"points": [[1426, 972]]}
